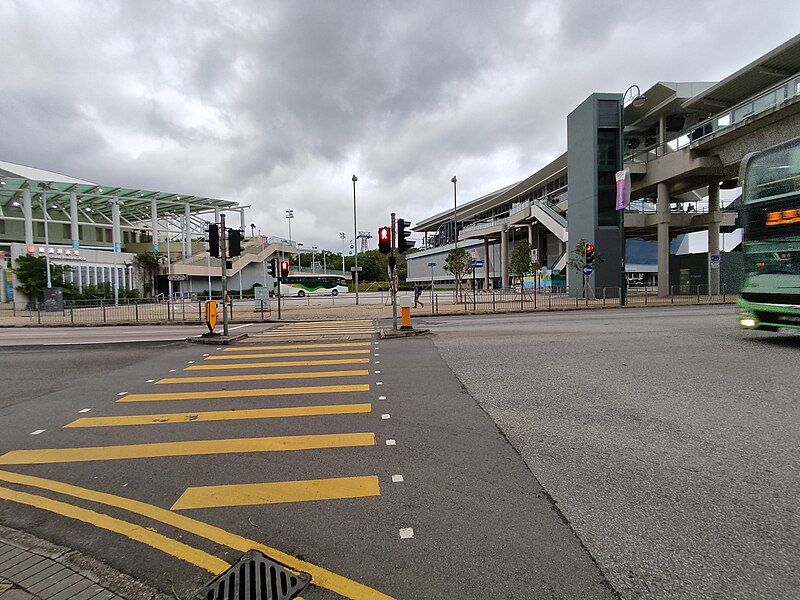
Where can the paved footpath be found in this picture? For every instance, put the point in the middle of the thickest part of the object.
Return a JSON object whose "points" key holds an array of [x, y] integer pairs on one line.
{"points": [[31, 568]]}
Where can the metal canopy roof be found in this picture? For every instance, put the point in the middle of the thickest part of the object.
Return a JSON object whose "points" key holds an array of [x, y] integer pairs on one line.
{"points": [[96, 200], [762, 73]]}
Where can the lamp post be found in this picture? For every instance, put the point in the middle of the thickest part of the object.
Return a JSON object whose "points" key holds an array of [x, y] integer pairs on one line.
{"points": [[289, 217], [454, 180], [299, 245], [355, 238], [343, 237], [313, 257], [44, 187]]}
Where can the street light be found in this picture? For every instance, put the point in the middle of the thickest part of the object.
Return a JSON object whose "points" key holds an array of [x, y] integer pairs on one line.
{"points": [[343, 237], [299, 245], [355, 238], [455, 215], [313, 255], [636, 99], [289, 217]]}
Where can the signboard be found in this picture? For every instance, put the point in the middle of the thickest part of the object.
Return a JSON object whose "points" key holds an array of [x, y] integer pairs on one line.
{"points": [[534, 255], [476, 264], [176, 277], [588, 269], [53, 299], [261, 297], [356, 269], [431, 264], [715, 258], [211, 314]]}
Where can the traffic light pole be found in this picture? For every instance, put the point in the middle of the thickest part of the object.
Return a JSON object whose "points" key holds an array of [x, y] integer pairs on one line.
{"points": [[223, 251], [278, 277], [393, 264]]}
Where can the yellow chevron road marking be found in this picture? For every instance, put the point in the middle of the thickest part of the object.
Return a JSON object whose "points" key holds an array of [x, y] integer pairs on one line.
{"points": [[287, 363], [286, 354], [215, 496], [135, 532], [263, 376], [223, 415], [319, 575], [296, 346], [190, 448], [295, 391]]}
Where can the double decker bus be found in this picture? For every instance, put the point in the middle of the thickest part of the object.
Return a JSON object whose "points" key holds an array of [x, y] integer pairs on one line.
{"points": [[770, 296], [302, 284]]}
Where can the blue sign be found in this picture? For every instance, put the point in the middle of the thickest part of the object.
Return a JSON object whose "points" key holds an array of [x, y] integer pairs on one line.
{"points": [[431, 265], [588, 269], [477, 264], [715, 258]]}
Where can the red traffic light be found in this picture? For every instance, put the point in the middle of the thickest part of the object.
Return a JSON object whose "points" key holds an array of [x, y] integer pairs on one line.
{"points": [[384, 240], [589, 254], [284, 268]]}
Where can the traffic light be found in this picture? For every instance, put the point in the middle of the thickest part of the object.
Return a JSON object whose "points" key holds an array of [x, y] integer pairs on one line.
{"points": [[402, 243], [588, 257], [384, 240], [213, 239], [284, 269], [234, 242], [272, 268]]}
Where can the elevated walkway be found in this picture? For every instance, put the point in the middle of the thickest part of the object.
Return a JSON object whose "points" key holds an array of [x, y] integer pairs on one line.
{"points": [[198, 265]]}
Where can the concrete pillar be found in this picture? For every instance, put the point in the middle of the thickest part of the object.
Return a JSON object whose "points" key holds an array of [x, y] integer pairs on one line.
{"points": [[154, 223], [27, 212], [116, 233], [662, 207], [73, 220], [504, 257], [714, 220], [530, 235], [242, 224], [486, 264], [187, 232]]}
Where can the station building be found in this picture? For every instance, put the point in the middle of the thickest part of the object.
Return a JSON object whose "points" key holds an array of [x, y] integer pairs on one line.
{"points": [[680, 142], [97, 230]]}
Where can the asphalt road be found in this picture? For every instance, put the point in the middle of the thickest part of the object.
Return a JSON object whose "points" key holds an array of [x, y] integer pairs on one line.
{"points": [[668, 438], [467, 518]]}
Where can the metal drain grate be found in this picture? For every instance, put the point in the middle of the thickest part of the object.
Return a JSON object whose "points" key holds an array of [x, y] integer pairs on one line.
{"points": [[255, 577]]}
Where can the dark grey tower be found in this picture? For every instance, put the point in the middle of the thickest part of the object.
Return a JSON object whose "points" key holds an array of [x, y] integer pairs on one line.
{"points": [[594, 155]]}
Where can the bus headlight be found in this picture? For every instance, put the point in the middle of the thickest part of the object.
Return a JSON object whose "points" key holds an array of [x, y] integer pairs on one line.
{"points": [[747, 320]]}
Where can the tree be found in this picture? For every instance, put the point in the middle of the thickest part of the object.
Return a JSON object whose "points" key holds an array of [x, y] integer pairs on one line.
{"points": [[521, 258], [458, 263], [31, 272], [148, 263]]}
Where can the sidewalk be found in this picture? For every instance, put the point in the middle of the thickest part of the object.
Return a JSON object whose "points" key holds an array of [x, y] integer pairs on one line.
{"points": [[31, 568]]}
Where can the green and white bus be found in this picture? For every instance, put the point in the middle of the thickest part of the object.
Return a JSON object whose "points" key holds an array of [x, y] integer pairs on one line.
{"points": [[770, 296], [302, 284]]}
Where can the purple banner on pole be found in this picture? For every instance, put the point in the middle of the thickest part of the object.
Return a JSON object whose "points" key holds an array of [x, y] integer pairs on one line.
{"points": [[623, 189]]}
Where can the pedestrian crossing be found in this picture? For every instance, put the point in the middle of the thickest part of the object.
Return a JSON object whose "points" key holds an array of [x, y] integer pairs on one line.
{"points": [[244, 383]]}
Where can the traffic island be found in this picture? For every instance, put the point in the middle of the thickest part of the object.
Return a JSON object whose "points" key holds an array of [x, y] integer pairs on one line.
{"points": [[217, 338]]}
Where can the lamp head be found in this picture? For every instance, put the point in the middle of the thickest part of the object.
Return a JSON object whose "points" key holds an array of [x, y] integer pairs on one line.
{"points": [[454, 179], [355, 178]]}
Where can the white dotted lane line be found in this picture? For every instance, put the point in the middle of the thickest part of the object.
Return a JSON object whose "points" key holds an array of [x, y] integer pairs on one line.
{"points": [[122, 393], [377, 372], [378, 383], [38, 432], [385, 416], [406, 533], [376, 343], [397, 479], [377, 362], [391, 443], [84, 410], [172, 370], [206, 354], [376, 354], [381, 397], [150, 380]]}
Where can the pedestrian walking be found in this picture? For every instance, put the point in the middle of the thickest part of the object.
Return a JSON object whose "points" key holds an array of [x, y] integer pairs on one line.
{"points": [[417, 294]]}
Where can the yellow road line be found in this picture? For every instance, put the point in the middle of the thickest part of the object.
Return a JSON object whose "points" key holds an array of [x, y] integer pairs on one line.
{"points": [[215, 496], [286, 354], [206, 561], [320, 576], [317, 389], [287, 363], [189, 448], [263, 376], [296, 346], [223, 415]]}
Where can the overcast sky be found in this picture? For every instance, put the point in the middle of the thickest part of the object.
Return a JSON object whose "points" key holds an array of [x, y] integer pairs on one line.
{"points": [[277, 104]]}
